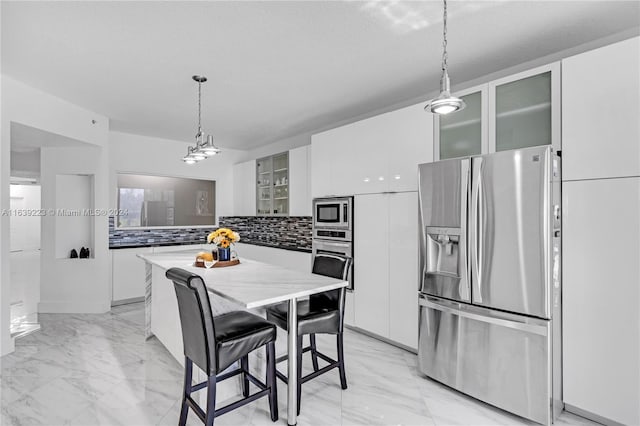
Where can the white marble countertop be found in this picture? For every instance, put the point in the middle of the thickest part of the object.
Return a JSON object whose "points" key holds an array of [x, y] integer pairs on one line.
{"points": [[251, 283]]}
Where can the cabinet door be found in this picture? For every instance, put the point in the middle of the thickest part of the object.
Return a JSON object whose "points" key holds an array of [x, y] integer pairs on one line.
{"points": [[349, 309], [264, 185], [323, 148], [463, 133], [299, 197], [371, 263], [601, 297], [403, 268], [244, 188], [359, 157], [410, 143], [600, 110], [525, 109], [128, 273]]}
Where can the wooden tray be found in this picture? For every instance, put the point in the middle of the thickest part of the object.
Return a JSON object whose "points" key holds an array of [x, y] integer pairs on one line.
{"points": [[224, 263], [219, 263]]}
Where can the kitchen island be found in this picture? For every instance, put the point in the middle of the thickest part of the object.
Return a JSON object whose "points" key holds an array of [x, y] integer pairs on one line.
{"points": [[251, 285]]}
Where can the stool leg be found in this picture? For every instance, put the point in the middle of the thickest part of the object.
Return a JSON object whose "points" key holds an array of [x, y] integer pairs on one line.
{"points": [[299, 354], [244, 364], [184, 410], [211, 400], [314, 351], [271, 381], [343, 376]]}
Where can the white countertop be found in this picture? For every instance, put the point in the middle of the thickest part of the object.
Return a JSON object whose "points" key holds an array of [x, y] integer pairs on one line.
{"points": [[251, 283]]}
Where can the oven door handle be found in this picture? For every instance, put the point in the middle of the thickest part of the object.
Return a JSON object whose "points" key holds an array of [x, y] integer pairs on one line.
{"points": [[332, 244]]}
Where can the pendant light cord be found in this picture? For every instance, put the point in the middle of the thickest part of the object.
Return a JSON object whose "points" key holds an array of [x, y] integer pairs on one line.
{"points": [[444, 39], [199, 105]]}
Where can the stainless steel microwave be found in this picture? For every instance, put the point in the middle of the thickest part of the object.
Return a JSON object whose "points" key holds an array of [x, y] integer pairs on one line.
{"points": [[333, 213]]}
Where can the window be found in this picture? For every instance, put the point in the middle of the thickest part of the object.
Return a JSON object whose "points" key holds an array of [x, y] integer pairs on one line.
{"points": [[145, 200]]}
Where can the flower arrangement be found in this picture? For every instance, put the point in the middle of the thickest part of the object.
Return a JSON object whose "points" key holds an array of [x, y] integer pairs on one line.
{"points": [[223, 237]]}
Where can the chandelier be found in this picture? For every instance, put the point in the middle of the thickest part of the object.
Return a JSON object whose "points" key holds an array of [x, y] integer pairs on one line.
{"points": [[204, 146], [445, 103]]}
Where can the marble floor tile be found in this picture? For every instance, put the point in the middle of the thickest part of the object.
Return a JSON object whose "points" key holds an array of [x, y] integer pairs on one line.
{"points": [[98, 369]]}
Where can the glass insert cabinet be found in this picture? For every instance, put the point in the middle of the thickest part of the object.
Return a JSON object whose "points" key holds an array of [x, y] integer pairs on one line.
{"points": [[514, 112], [272, 186]]}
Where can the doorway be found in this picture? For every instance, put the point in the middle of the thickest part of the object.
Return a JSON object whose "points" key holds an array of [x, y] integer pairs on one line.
{"points": [[25, 237]]}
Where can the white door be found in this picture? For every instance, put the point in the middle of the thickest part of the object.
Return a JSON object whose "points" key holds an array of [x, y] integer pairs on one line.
{"points": [[601, 297], [371, 263], [403, 268]]}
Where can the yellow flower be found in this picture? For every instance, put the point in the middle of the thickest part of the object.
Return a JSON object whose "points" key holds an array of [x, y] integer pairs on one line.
{"points": [[223, 237]]}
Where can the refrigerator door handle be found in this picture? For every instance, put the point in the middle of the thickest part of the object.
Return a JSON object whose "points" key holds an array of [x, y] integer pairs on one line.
{"points": [[510, 321], [476, 223]]}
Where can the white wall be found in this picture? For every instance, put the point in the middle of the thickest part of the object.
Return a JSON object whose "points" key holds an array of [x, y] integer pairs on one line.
{"points": [[147, 155], [26, 105], [25, 164], [277, 147]]}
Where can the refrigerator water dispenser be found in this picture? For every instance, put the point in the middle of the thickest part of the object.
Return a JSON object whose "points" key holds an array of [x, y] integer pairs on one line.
{"points": [[443, 250], [444, 263]]}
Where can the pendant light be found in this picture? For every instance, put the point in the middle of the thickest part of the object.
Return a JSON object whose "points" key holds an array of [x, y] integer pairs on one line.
{"points": [[445, 103], [204, 147]]}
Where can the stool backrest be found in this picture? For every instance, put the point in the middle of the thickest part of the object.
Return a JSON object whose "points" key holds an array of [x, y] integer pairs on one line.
{"points": [[196, 319], [333, 266]]}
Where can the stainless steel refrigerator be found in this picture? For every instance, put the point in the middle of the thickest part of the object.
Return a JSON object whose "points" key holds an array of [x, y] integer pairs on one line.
{"points": [[490, 291]]}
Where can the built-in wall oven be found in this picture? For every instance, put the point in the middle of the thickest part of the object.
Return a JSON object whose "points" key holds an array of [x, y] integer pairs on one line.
{"points": [[333, 228]]}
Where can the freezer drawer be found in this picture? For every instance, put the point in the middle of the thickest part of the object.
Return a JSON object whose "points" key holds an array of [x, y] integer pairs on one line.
{"points": [[499, 358]]}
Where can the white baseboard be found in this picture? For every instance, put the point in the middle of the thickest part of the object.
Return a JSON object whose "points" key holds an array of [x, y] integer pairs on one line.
{"points": [[73, 308], [590, 416], [382, 339], [127, 301]]}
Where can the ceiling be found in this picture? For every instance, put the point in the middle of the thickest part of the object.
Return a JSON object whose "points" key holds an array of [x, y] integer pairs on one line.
{"points": [[277, 69], [26, 139]]}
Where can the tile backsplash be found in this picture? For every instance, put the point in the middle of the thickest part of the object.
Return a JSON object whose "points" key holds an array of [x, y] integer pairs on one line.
{"points": [[287, 232], [131, 237]]}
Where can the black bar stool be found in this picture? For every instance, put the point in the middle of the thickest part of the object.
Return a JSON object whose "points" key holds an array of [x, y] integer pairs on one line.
{"points": [[321, 313], [214, 343]]}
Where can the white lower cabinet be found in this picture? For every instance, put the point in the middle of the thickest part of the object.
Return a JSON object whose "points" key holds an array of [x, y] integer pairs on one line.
{"points": [[601, 297], [349, 309], [128, 273], [403, 268], [371, 263], [290, 259], [385, 266]]}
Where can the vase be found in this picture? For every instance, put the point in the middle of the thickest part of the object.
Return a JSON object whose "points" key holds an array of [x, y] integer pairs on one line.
{"points": [[224, 254]]}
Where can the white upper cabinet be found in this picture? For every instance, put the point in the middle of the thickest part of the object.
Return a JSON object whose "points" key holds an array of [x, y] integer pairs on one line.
{"points": [[517, 111], [524, 109], [409, 142], [299, 182], [600, 112], [465, 132], [244, 188], [323, 148], [375, 155]]}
